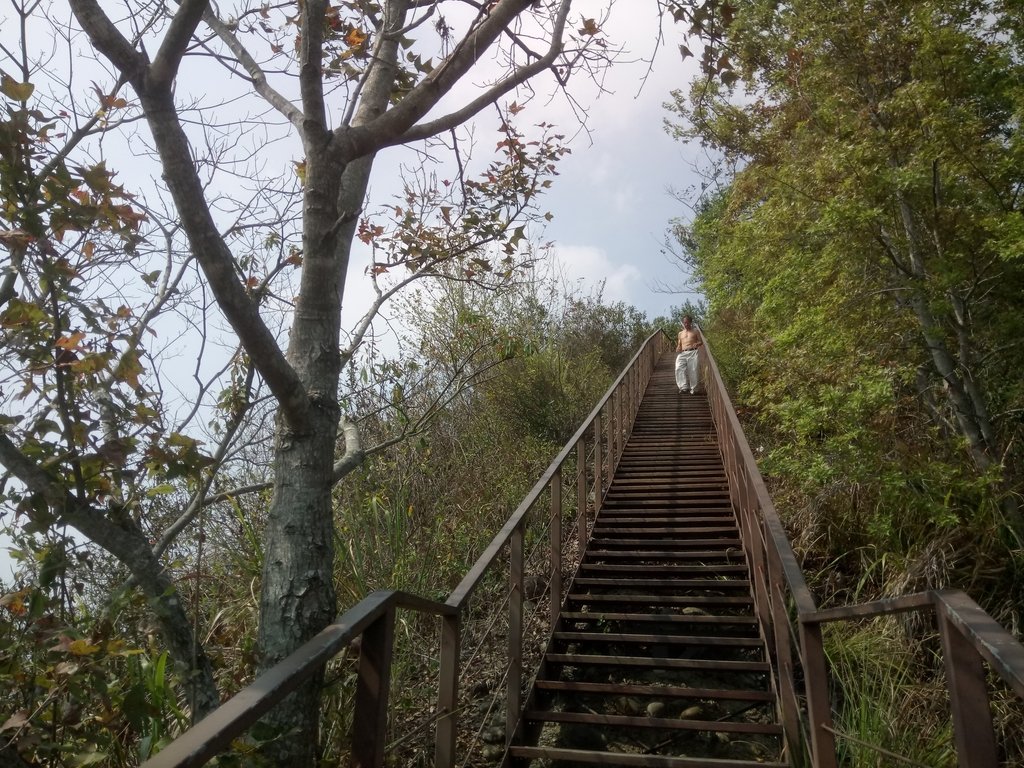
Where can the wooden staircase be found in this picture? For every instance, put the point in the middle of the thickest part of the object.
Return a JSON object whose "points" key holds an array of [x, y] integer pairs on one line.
{"points": [[657, 659]]}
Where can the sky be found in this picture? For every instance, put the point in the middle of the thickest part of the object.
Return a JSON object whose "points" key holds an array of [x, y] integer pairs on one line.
{"points": [[611, 203]]}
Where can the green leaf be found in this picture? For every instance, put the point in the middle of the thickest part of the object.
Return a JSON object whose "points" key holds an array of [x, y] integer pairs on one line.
{"points": [[88, 758]]}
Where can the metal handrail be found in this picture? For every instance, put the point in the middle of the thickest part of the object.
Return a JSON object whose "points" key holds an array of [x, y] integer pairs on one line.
{"points": [[372, 620], [968, 634], [214, 733], [472, 579]]}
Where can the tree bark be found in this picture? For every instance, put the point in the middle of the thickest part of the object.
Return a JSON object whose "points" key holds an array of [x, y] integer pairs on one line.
{"points": [[298, 596], [943, 360]]}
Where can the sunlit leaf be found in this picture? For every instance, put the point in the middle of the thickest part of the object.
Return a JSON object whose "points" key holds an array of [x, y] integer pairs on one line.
{"points": [[12, 89], [15, 602], [88, 758], [72, 341], [355, 37]]}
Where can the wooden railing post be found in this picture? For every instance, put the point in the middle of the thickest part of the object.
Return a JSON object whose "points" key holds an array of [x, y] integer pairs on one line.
{"points": [[609, 439], [370, 721], [448, 692], [623, 416], [788, 701], [620, 432], [612, 426], [581, 491], [819, 709], [627, 408], [973, 733], [556, 546], [598, 465], [513, 697]]}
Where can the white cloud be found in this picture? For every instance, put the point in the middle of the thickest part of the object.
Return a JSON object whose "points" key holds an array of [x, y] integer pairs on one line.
{"points": [[586, 266]]}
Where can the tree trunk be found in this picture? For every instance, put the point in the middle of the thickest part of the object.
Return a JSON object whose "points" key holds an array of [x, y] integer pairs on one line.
{"points": [[942, 358], [964, 393], [298, 597]]}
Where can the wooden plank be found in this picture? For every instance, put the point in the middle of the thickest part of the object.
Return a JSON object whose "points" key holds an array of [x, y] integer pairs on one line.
{"points": [[621, 637], [580, 659], [661, 723], [633, 760], [711, 584], [666, 568], [683, 600], [672, 691], [672, 618]]}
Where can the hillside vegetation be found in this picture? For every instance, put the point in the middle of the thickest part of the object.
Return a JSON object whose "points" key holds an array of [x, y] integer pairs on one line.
{"points": [[860, 249]]}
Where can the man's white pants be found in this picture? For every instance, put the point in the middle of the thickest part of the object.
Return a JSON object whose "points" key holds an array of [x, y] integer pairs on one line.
{"points": [[686, 371]]}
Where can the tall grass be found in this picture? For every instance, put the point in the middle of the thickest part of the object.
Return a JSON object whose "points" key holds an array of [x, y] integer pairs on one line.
{"points": [[890, 709]]}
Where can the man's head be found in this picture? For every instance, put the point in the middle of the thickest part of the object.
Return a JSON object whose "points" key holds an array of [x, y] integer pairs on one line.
{"points": [[687, 322]]}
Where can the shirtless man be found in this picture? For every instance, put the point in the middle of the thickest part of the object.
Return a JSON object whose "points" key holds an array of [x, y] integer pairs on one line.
{"points": [[687, 342]]}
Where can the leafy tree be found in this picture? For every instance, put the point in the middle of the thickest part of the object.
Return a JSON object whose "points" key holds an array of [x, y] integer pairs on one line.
{"points": [[875, 198], [863, 275]]}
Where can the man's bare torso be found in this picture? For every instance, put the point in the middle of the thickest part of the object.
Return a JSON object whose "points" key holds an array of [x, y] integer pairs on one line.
{"points": [[687, 340]]}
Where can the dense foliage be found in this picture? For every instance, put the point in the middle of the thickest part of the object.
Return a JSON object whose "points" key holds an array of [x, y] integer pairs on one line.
{"points": [[864, 278]]}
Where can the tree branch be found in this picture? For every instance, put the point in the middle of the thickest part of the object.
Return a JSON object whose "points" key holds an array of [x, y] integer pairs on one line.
{"points": [[259, 78], [164, 68], [354, 454], [395, 126], [311, 84], [111, 43]]}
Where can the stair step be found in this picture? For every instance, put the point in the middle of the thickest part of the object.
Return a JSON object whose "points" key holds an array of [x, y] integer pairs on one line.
{"points": [[732, 543], [698, 640], [666, 568], [671, 691], [644, 599], [677, 495], [661, 723], [669, 504], [606, 530], [619, 517], [659, 618], [732, 553], [671, 483], [633, 760], [684, 600], [650, 662], [712, 584]]}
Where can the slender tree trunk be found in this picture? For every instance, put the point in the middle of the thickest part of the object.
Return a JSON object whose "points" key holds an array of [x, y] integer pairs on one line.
{"points": [[942, 358], [964, 393], [298, 597]]}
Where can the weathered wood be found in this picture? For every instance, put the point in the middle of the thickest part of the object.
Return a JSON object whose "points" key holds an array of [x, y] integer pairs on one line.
{"points": [[370, 712], [633, 760]]}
